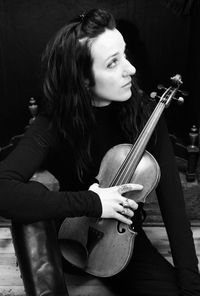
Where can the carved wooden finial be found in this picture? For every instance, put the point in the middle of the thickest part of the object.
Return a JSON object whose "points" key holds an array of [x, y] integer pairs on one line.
{"points": [[193, 154], [33, 107]]}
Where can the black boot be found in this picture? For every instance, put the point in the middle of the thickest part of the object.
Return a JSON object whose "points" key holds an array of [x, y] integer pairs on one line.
{"points": [[39, 258]]}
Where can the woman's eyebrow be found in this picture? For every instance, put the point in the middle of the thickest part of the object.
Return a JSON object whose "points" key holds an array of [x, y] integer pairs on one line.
{"points": [[115, 54], [112, 56]]}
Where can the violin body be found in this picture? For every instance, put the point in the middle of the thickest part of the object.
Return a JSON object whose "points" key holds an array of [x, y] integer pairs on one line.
{"points": [[103, 247]]}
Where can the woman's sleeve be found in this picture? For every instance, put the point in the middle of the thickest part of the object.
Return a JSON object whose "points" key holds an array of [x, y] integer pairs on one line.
{"points": [[29, 201], [172, 206]]}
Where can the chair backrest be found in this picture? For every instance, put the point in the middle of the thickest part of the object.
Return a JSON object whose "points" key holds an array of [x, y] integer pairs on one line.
{"points": [[5, 150], [187, 156]]}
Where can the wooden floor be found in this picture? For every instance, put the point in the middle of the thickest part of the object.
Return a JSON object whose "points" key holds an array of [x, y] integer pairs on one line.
{"points": [[11, 283]]}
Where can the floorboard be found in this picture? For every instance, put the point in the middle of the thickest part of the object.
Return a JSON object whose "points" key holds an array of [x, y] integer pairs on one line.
{"points": [[11, 282]]}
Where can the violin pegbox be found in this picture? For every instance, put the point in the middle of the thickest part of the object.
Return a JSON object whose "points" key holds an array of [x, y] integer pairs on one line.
{"points": [[169, 93]]}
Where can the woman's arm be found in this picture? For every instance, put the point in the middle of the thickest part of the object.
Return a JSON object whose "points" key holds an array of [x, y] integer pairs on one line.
{"points": [[172, 206], [29, 201]]}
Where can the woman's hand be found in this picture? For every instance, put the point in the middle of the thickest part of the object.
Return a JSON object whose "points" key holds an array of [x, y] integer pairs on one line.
{"points": [[114, 205]]}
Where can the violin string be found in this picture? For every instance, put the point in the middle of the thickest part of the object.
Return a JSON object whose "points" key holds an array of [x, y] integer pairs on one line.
{"points": [[127, 170], [123, 174], [128, 173]]}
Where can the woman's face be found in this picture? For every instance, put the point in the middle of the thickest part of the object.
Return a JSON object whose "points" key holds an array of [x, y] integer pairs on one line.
{"points": [[112, 71]]}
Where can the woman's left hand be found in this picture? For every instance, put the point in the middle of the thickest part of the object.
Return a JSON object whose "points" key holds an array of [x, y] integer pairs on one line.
{"points": [[114, 204]]}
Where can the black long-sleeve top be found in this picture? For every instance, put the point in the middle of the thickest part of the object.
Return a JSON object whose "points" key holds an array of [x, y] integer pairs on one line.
{"points": [[41, 148]]}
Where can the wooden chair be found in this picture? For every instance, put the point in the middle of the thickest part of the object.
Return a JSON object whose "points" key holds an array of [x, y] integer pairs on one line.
{"points": [[187, 156]]}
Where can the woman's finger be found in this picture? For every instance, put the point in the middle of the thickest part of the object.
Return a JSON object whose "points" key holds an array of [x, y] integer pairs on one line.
{"points": [[127, 212], [129, 203], [123, 218], [129, 187], [124, 211]]}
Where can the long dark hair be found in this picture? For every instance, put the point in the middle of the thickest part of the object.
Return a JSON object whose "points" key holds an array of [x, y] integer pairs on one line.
{"points": [[67, 65]]}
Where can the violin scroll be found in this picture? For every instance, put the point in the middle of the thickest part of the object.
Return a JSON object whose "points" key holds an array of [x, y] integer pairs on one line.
{"points": [[177, 79]]}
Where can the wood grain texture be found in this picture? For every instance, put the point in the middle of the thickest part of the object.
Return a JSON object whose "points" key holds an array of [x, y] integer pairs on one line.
{"points": [[11, 282]]}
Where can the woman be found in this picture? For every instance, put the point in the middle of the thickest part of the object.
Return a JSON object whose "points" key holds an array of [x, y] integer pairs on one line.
{"points": [[92, 103]]}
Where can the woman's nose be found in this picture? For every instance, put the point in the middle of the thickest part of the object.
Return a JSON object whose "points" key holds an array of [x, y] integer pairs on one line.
{"points": [[129, 69]]}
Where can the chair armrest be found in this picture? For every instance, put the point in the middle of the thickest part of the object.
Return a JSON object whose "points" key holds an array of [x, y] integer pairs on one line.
{"points": [[47, 179]]}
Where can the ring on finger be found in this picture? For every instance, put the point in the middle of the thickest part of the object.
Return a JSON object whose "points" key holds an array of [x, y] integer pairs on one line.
{"points": [[126, 203], [124, 211]]}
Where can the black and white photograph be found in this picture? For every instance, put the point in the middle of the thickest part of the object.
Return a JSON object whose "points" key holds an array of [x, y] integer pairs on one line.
{"points": [[100, 148]]}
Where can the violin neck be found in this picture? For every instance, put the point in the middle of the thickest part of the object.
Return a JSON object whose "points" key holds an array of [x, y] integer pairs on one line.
{"points": [[135, 154], [143, 139]]}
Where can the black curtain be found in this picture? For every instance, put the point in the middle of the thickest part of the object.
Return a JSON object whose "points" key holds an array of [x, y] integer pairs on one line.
{"points": [[180, 6], [193, 66]]}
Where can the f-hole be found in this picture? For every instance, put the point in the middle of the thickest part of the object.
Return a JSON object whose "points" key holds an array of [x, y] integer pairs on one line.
{"points": [[121, 227]]}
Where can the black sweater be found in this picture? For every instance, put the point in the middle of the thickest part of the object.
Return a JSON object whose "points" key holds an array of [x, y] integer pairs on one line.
{"points": [[29, 201]]}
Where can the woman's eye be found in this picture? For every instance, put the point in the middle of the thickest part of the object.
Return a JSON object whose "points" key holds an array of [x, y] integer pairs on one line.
{"points": [[112, 64]]}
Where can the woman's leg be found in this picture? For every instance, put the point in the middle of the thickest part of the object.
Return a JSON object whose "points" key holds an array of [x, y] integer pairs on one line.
{"points": [[147, 274], [39, 258]]}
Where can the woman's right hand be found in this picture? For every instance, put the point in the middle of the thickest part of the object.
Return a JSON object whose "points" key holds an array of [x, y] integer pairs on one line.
{"points": [[114, 205]]}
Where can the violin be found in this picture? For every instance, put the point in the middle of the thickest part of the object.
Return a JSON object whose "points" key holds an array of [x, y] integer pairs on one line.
{"points": [[103, 247]]}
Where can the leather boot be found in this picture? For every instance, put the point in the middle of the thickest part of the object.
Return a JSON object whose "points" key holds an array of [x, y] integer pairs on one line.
{"points": [[39, 258]]}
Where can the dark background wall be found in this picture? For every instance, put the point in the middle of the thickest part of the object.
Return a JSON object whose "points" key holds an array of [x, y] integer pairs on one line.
{"points": [[162, 35]]}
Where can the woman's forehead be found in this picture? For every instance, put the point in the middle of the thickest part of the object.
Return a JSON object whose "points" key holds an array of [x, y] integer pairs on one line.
{"points": [[107, 44]]}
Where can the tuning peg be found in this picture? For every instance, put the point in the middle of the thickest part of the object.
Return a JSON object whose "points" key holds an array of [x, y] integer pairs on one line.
{"points": [[184, 93], [160, 86], [180, 100], [153, 94]]}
